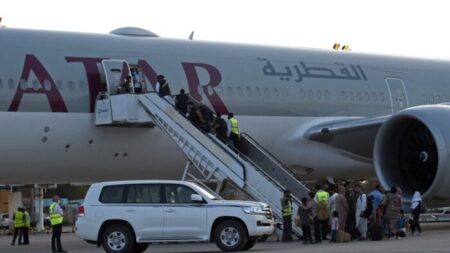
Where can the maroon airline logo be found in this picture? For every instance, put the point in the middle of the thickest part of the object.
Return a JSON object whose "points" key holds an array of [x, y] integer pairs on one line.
{"points": [[93, 74]]}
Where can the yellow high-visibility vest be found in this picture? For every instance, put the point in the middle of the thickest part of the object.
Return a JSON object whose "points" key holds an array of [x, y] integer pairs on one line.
{"points": [[322, 196], [55, 218], [234, 126], [286, 207], [18, 219]]}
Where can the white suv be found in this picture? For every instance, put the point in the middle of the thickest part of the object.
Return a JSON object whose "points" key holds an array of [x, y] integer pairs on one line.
{"points": [[125, 216], [4, 221]]}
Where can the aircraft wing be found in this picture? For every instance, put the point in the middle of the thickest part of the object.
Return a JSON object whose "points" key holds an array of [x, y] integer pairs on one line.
{"points": [[353, 135]]}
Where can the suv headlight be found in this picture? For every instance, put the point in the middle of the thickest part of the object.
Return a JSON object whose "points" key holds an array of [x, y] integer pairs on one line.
{"points": [[258, 210]]}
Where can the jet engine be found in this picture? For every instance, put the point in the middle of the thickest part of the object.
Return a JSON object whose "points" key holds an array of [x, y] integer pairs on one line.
{"points": [[412, 151]]}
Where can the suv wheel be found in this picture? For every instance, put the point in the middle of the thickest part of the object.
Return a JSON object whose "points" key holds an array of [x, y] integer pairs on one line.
{"points": [[230, 236], [118, 239]]}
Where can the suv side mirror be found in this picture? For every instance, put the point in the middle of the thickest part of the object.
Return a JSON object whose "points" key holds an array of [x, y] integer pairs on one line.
{"points": [[196, 198]]}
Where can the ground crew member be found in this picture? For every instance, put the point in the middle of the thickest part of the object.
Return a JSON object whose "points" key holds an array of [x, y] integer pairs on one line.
{"points": [[18, 219], [233, 130], [287, 209], [26, 227], [56, 219], [322, 199]]}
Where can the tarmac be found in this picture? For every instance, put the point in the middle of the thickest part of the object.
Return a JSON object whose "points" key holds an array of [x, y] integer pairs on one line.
{"points": [[435, 239]]}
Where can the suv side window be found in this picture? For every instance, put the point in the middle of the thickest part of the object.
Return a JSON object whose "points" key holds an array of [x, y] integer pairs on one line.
{"points": [[112, 194], [178, 194], [144, 194]]}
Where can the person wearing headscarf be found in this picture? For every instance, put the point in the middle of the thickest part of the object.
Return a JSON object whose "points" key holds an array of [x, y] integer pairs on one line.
{"points": [[416, 205], [393, 204], [342, 207]]}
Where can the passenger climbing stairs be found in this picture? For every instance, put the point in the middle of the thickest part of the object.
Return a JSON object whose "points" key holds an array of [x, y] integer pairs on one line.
{"points": [[252, 169]]}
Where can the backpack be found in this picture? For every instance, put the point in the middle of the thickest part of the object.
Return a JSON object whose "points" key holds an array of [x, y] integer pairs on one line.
{"points": [[323, 213], [369, 208]]}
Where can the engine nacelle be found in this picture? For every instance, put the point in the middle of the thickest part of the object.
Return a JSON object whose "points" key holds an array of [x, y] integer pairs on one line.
{"points": [[412, 151]]}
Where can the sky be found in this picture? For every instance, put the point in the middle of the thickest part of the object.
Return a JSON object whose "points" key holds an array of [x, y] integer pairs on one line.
{"points": [[395, 27]]}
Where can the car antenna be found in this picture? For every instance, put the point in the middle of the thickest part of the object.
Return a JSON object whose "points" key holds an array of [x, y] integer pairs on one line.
{"points": [[191, 37]]}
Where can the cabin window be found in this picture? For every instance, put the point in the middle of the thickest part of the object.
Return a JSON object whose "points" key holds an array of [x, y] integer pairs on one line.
{"points": [[343, 95], [374, 96], [11, 84], [23, 84], [30, 84], [424, 98], [36, 85], [327, 95], [319, 94], [359, 95], [248, 91], [266, 92], [229, 91], [352, 96], [431, 98], [219, 90], [301, 93], [210, 90], [258, 92], [59, 85], [82, 85], [310, 94], [47, 85], [239, 91], [366, 96], [382, 98], [71, 85], [275, 92]]}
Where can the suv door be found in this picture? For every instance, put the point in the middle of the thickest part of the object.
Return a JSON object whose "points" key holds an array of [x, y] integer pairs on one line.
{"points": [[144, 210], [183, 219]]}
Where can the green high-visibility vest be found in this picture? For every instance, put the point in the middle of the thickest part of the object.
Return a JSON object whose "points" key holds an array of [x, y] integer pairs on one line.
{"points": [[55, 218], [322, 196], [286, 207], [18, 219], [234, 126]]}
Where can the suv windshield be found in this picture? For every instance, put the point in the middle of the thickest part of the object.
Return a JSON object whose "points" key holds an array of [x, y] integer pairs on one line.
{"points": [[209, 195]]}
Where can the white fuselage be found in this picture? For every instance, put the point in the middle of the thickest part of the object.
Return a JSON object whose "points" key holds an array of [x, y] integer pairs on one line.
{"points": [[49, 82]]}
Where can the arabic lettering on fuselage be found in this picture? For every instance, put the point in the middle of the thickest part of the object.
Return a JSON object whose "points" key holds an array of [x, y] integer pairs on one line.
{"points": [[301, 70]]}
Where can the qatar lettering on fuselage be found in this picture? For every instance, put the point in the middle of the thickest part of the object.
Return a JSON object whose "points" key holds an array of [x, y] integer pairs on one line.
{"points": [[93, 76]]}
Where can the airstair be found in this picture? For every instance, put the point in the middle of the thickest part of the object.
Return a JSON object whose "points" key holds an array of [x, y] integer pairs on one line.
{"points": [[252, 170]]}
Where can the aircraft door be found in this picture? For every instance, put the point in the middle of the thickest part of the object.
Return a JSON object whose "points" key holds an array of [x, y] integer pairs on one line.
{"points": [[398, 95], [116, 71]]}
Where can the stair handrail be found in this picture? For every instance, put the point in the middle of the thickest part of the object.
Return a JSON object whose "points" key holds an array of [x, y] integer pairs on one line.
{"points": [[272, 157], [227, 151]]}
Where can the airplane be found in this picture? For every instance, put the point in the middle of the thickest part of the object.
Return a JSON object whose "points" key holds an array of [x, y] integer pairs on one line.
{"points": [[323, 113]]}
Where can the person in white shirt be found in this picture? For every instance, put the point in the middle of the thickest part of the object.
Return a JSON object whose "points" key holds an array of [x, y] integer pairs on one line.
{"points": [[334, 225], [137, 82], [361, 205]]}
